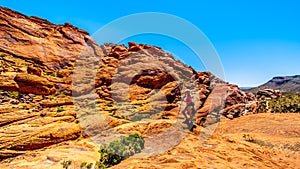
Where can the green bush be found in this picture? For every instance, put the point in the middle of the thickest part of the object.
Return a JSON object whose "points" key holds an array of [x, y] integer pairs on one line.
{"points": [[89, 166], [83, 164], [65, 93], [60, 109], [116, 151], [50, 74], [14, 94], [66, 164], [288, 104], [100, 165], [110, 105]]}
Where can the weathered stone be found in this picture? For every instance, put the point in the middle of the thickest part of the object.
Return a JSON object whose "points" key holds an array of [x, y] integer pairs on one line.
{"points": [[34, 84], [268, 94], [7, 83], [34, 70], [144, 79]]}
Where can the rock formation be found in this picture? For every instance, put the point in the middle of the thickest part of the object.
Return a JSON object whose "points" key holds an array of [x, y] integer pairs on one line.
{"points": [[43, 65], [268, 94]]}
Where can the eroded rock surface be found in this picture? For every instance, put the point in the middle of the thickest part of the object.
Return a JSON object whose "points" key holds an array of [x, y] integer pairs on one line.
{"points": [[67, 88]]}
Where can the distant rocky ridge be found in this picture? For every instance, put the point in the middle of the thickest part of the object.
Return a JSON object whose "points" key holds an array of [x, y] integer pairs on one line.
{"points": [[286, 84], [50, 74]]}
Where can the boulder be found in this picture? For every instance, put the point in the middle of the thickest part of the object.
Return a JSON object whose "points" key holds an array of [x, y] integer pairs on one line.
{"points": [[34, 84], [7, 83]]}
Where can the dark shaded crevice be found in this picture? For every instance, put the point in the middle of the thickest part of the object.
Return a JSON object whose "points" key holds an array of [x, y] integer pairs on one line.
{"points": [[17, 39], [32, 60], [15, 120], [9, 154]]}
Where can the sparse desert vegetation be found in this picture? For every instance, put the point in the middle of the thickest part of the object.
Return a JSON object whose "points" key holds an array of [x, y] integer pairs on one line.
{"points": [[115, 152], [285, 104]]}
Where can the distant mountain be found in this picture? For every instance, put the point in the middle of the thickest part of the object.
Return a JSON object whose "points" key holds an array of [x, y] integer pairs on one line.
{"points": [[245, 88], [289, 84]]}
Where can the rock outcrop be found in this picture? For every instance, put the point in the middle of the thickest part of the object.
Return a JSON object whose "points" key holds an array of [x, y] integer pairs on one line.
{"points": [[37, 58], [54, 46], [226, 100], [122, 84], [268, 94]]}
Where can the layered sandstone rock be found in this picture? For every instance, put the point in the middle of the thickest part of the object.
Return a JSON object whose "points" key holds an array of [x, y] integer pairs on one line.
{"points": [[114, 84], [54, 46]]}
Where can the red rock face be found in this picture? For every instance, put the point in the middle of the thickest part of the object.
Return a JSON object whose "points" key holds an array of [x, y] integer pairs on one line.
{"points": [[55, 48], [51, 45], [127, 83]]}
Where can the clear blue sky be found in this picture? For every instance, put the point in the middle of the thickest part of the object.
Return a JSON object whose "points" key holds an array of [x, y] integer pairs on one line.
{"points": [[255, 39]]}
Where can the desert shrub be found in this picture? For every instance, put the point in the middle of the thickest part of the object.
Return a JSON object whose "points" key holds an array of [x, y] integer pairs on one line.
{"points": [[100, 165], [36, 65], [114, 114], [60, 109], [50, 74], [263, 143], [295, 147], [109, 105], [66, 164], [249, 138], [116, 151], [65, 93], [83, 165], [89, 166], [14, 94], [2, 55], [288, 104], [138, 117]]}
